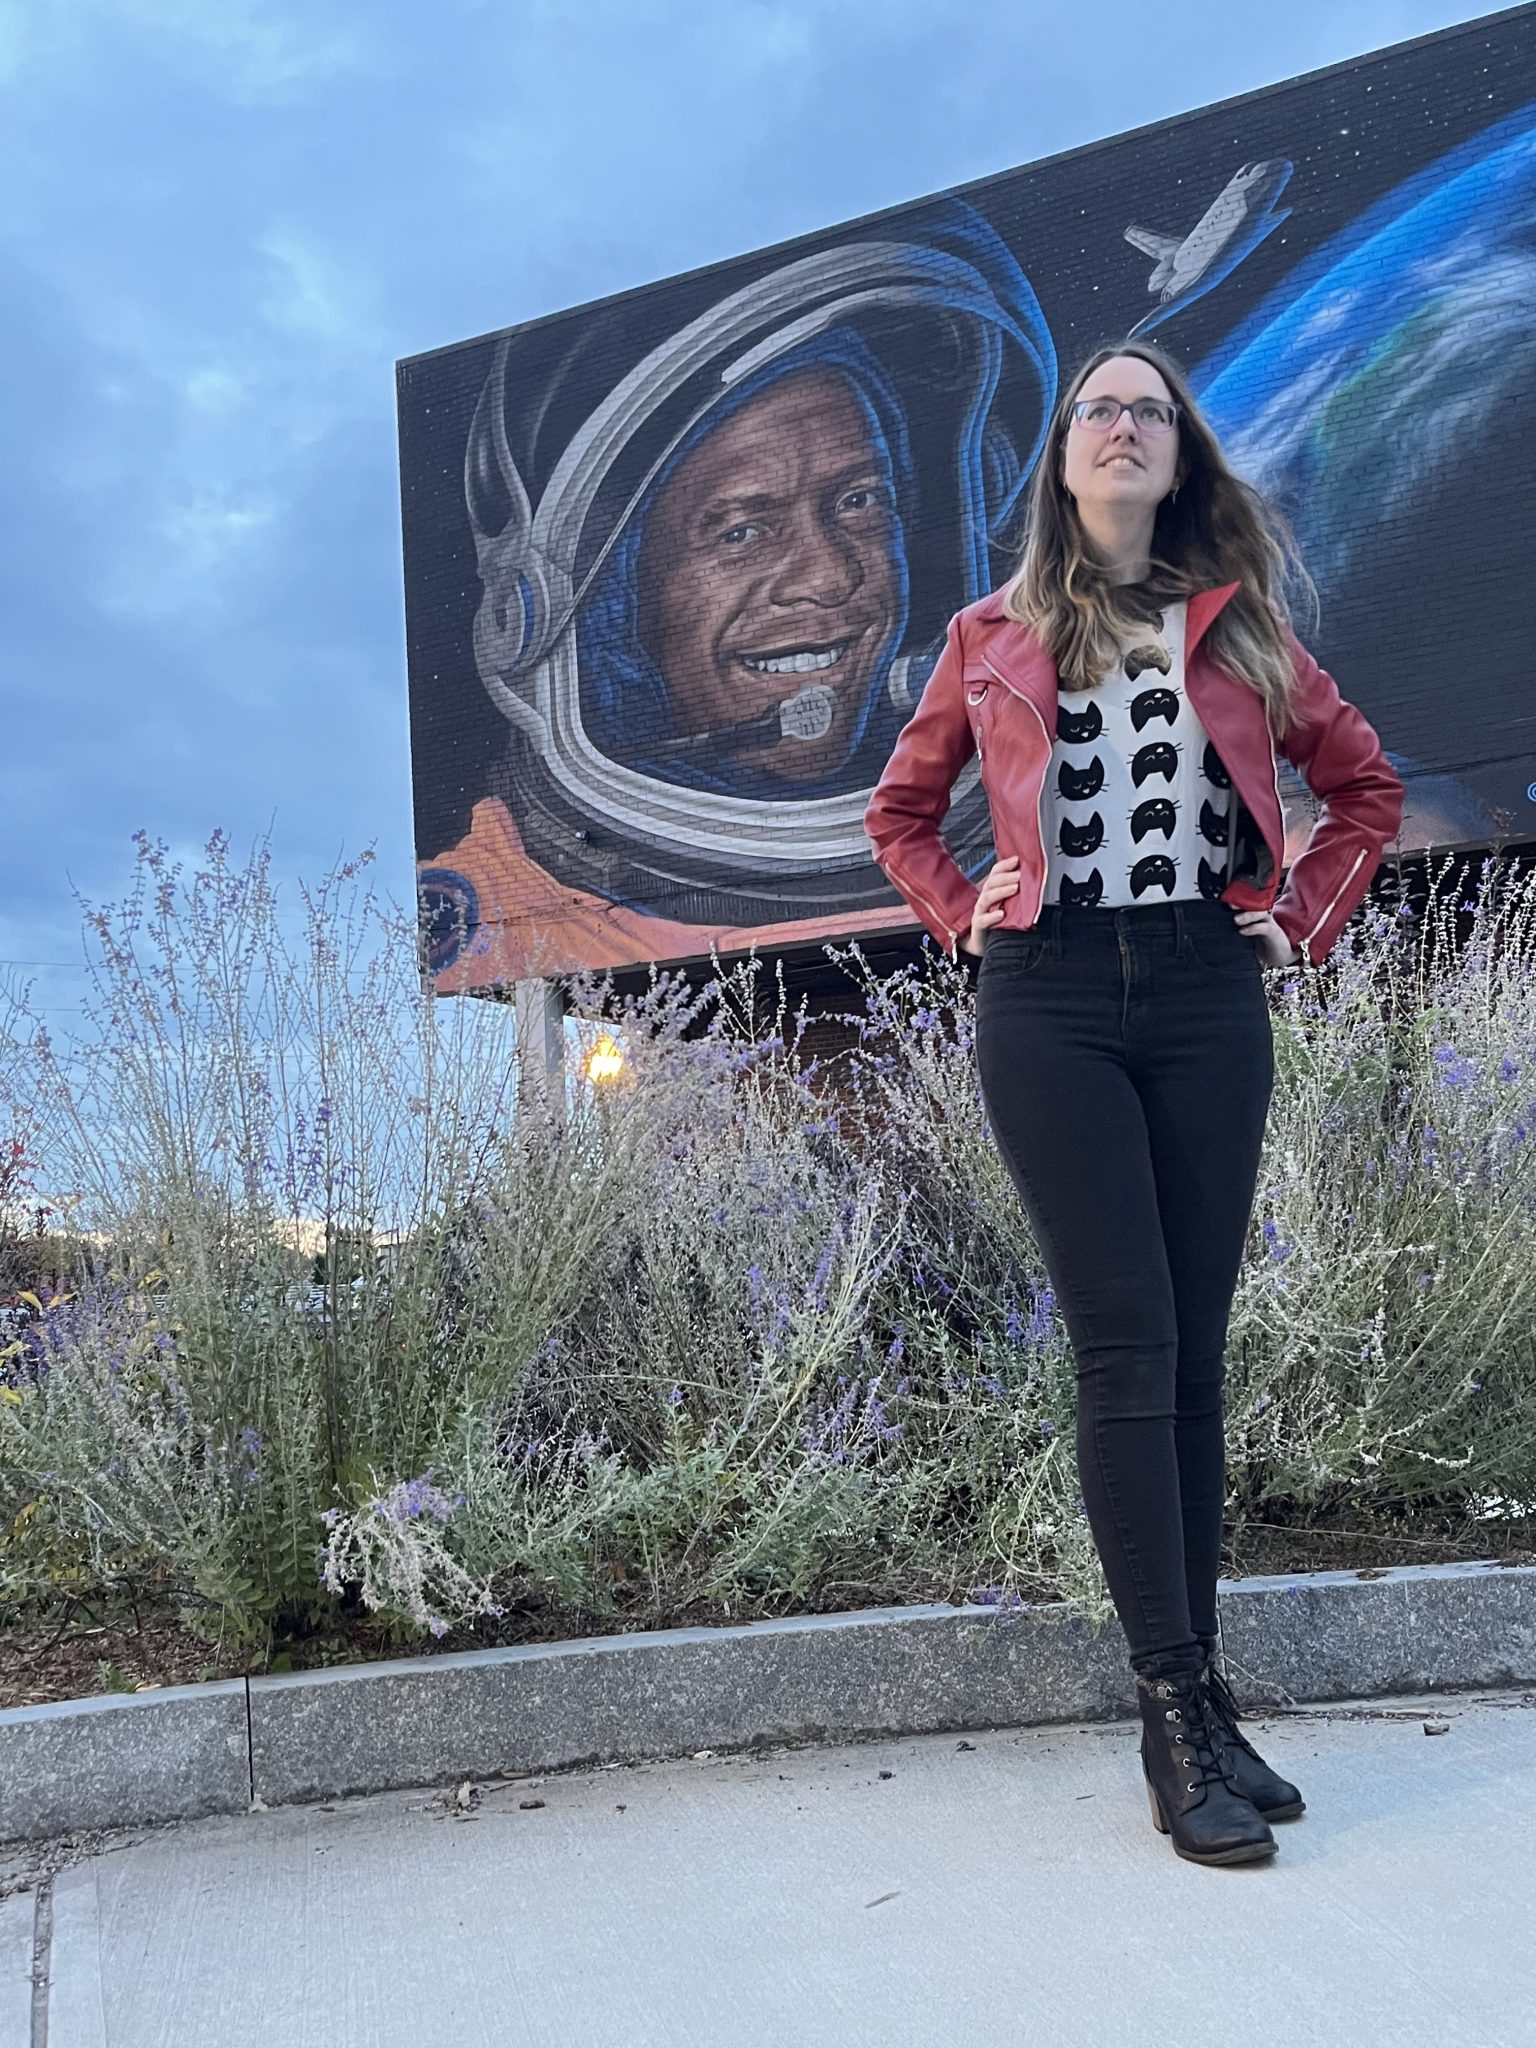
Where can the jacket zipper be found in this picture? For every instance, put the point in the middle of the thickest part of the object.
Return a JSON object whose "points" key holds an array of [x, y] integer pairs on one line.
{"points": [[943, 922], [932, 909], [974, 704], [1311, 935], [1274, 776], [1039, 820]]}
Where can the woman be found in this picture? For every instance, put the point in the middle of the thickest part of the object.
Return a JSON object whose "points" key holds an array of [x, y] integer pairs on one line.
{"points": [[1126, 691]]}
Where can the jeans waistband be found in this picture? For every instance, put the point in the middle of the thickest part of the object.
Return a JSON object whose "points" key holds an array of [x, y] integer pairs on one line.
{"points": [[1112, 921]]}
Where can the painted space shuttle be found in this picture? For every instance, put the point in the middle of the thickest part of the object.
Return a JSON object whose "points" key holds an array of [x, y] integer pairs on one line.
{"points": [[1232, 227]]}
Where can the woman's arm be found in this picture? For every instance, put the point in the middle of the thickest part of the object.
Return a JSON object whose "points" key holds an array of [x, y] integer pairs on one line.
{"points": [[912, 798], [1334, 748]]}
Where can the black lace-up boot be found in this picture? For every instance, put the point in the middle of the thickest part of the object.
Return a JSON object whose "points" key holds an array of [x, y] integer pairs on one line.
{"points": [[1191, 1796], [1275, 1797]]}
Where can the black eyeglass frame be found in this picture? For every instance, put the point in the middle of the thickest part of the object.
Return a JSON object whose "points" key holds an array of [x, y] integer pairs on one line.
{"points": [[1126, 405]]}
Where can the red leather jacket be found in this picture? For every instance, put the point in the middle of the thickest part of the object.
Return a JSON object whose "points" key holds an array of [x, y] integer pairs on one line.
{"points": [[994, 690]]}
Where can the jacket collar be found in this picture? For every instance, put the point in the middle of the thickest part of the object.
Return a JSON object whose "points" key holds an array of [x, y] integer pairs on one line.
{"points": [[1204, 606]]}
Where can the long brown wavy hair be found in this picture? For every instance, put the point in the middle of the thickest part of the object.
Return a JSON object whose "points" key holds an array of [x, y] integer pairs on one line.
{"points": [[1212, 529]]}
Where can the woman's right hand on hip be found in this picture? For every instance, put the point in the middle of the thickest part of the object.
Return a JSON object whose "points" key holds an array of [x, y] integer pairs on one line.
{"points": [[1002, 881]]}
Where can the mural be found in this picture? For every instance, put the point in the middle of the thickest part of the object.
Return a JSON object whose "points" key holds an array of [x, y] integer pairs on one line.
{"points": [[678, 566], [1234, 224]]}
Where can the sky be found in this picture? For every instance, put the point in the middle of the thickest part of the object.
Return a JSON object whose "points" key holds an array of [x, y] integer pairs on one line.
{"points": [[223, 221]]}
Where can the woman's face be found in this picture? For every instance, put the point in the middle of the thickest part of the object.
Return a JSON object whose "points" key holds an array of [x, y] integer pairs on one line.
{"points": [[1127, 466]]}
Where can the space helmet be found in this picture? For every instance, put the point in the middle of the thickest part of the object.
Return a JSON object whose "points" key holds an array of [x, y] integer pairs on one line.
{"points": [[935, 330]]}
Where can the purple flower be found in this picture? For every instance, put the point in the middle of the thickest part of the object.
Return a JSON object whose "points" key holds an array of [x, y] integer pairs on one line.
{"points": [[823, 1270], [833, 1425], [1455, 1072], [412, 1498], [781, 1317], [1040, 1317]]}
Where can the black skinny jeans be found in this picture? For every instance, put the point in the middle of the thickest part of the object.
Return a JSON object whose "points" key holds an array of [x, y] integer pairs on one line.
{"points": [[1126, 1063]]}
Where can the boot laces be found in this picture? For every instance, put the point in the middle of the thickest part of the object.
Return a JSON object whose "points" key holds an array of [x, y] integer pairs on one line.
{"points": [[1223, 1708], [1184, 1705]]}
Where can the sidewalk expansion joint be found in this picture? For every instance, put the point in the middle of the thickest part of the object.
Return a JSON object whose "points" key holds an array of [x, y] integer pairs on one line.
{"points": [[42, 1960]]}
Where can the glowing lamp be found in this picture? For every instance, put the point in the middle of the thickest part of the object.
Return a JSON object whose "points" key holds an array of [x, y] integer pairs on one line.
{"points": [[605, 1062]]}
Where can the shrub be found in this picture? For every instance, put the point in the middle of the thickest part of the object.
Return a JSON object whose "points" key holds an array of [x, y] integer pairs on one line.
{"points": [[346, 1327]]}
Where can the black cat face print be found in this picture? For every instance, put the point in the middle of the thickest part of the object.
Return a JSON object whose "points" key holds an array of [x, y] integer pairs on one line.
{"points": [[1128, 818]]}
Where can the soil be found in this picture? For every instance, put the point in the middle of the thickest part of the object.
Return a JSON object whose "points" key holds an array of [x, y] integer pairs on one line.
{"points": [[82, 1654]]}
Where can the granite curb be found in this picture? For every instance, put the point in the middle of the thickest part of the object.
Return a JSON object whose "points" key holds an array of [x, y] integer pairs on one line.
{"points": [[185, 1751]]}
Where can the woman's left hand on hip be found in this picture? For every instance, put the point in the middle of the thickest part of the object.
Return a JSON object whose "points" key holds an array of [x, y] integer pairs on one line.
{"points": [[1274, 947]]}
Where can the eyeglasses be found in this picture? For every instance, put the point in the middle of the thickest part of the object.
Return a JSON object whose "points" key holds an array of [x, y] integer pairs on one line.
{"points": [[1152, 415]]}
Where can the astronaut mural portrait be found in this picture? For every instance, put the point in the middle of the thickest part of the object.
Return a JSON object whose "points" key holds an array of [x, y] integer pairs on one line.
{"points": [[678, 565], [705, 615], [773, 561]]}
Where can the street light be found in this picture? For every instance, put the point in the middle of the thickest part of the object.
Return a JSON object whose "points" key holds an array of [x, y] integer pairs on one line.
{"points": [[605, 1062]]}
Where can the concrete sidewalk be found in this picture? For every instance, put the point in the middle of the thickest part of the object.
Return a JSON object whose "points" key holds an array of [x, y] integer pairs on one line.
{"points": [[937, 1891]]}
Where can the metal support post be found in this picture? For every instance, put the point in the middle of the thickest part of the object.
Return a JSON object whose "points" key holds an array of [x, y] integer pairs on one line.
{"points": [[539, 1024]]}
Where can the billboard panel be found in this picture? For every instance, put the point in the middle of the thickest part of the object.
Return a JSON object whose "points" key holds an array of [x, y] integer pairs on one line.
{"points": [[678, 564]]}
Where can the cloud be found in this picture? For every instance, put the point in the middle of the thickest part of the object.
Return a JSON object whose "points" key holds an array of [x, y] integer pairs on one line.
{"points": [[214, 388], [309, 296], [193, 547], [251, 49], [14, 38]]}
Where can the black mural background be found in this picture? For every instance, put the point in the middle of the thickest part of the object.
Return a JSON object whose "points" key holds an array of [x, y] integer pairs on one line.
{"points": [[1414, 488]]}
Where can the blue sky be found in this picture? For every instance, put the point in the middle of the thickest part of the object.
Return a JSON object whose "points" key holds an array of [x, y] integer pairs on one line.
{"points": [[221, 222]]}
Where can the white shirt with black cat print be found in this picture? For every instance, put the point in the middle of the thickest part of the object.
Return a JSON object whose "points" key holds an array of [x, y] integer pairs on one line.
{"points": [[1134, 808]]}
